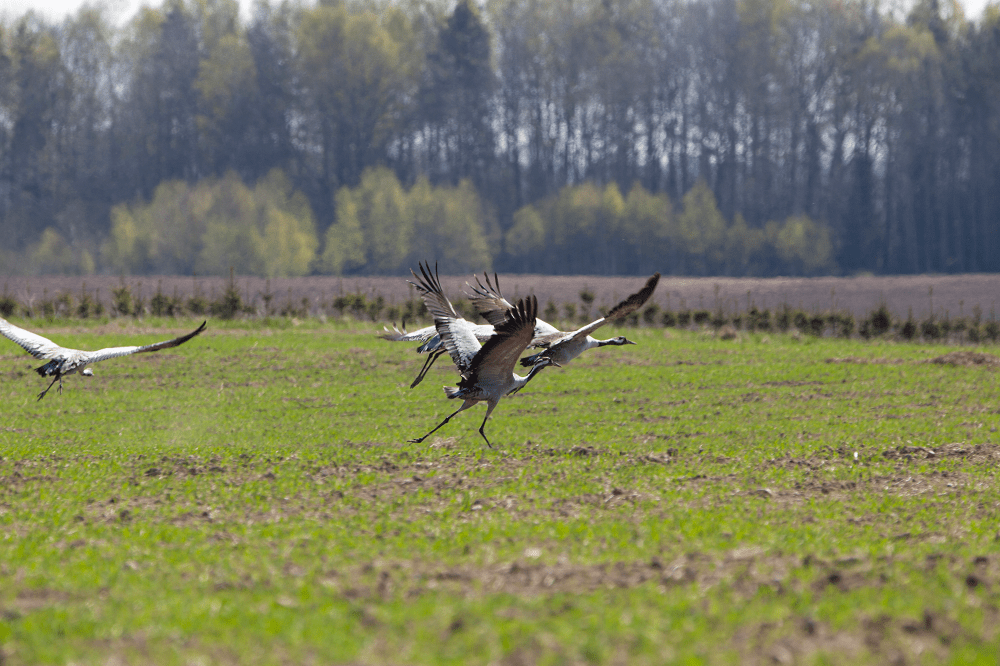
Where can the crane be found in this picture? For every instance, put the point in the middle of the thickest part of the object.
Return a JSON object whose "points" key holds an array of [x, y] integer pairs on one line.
{"points": [[487, 369], [561, 347], [431, 341], [485, 299], [63, 361]]}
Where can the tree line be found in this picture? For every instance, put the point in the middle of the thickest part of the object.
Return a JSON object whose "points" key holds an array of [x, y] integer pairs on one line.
{"points": [[220, 224], [695, 136]]}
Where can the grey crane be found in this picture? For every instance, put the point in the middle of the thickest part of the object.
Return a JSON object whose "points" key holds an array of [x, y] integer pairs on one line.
{"points": [[561, 347], [485, 299], [63, 361], [487, 369], [431, 341]]}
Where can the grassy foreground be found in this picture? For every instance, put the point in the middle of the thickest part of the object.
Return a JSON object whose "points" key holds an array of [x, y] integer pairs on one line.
{"points": [[249, 498]]}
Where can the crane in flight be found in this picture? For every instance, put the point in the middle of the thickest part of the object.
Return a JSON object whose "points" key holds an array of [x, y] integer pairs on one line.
{"points": [[561, 347], [487, 369], [431, 341], [63, 361], [486, 300]]}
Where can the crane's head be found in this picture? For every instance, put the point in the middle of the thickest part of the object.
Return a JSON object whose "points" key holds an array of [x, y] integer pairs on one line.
{"points": [[619, 341]]}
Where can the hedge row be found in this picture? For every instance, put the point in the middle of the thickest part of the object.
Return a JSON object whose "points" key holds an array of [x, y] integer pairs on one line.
{"points": [[232, 303]]}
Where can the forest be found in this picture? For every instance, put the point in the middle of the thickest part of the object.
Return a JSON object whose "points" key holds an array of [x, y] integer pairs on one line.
{"points": [[615, 137]]}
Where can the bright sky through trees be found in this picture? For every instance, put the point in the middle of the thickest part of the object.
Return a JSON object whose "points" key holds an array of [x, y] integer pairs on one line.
{"points": [[122, 10], [119, 11]]}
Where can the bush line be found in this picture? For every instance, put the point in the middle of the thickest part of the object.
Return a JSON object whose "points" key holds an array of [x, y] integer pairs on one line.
{"points": [[233, 304]]}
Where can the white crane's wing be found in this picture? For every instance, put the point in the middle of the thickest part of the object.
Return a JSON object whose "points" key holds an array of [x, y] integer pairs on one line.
{"points": [[494, 364], [488, 299], [626, 307], [115, 352], [543, 328], [420, 335], [458, 335], [491, 304], [32, 343]]}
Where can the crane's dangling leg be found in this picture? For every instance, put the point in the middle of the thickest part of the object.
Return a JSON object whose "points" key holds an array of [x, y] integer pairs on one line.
{"points": [[465, 405], [57, 379], [489, 409], [427, 366]]}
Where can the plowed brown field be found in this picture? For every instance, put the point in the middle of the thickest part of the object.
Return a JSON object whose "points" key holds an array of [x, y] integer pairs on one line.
{"points": [[954, 295]]}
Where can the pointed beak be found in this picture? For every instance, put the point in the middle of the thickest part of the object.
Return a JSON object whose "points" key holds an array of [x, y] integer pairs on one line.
{"points": [[629, 342]]}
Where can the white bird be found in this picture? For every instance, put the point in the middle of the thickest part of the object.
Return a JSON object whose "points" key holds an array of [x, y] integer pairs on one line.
{"points": [[63, 361], [431, 341], [487, 369], [561, 347]]}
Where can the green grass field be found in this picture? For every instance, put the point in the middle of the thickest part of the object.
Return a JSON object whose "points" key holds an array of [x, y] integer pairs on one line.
{"points": [[249, 498]]}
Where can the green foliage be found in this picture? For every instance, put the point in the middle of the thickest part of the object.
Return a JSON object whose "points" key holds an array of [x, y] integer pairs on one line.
{"points": [[648, 224], [525, 240], [54, 255], [586, 230], [123, 302], [381, 228], [449, 224], [871, 123], [877, 323], [226, 83], [232, 238], [213, 226], [231, 302], [701, 229], [161, 305], [804, 246], [8, 304], [358, 69], [374, 227], [746, 250]]}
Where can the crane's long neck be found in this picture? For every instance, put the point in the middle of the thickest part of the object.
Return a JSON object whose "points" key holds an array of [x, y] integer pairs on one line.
{"points": [[521, 382]]}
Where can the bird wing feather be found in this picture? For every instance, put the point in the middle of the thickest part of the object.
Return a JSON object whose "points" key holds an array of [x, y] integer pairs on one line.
{"points": [[457, 334], [429, 286], [494, 363], [32, 343], [395, 335], [489, 301], [632, 303], [544, 328], [115, 352]]}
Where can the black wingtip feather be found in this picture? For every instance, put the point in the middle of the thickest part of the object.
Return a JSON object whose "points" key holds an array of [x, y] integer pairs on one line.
{"points": [[636, 300]]}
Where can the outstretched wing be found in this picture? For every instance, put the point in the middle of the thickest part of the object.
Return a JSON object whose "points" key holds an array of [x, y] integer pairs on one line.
{"points": [[420, 335], [457, 334], [32, 343], [636, 300], [494, 364], [115, 352], [488, 299], [626, 307]]}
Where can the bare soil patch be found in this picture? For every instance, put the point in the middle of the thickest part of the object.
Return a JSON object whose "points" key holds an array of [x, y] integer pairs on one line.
{"points": [[967, 359], [865, 361]]}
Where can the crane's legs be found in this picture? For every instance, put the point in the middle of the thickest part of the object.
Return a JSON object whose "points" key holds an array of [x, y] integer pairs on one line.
{"points": [[57, 379], [489, 410], [427, 366], [465, 405]]}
